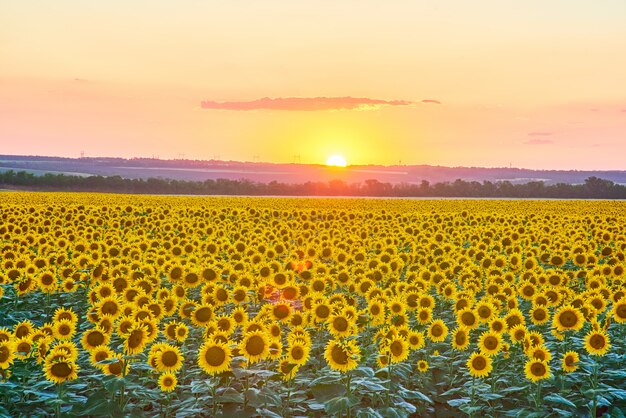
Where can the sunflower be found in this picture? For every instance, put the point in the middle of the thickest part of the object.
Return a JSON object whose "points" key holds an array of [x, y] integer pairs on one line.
{"points": [[498, 325], [539, 353], [397, 348], [460, 338], [321, 311], [254, 346], [60, 370], [167, 382], [214, 357], [416, 340], [47, 282], [570, 360], [298, 352], [169, 358], [485, 311], [568, 318], [169, 330], [619, 311], [23, 329], [342, 356], [281, 311], [287, 369], [537, 370], [479, 365], [422, 366], [6, 335], [340, 325], [202, 315], [182, 330], [597, 342], [424, 315], [67, 348], [438, 331], [467, 317], [7, 354], [64, 329], [94, 337], [109, 306], [100, 353], [114, 366], [539, 315], [136, 339], [63, 313]]}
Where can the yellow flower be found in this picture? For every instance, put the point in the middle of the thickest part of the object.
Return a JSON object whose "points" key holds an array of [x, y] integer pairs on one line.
{"points": [[169, 359], [568, 318], [422, 366], [438, 331], [214, 357], [479, 365], [570, 361], [537, 370], [597, 342], [167, 382], [490, 343], [60, 370], [342, 356]]}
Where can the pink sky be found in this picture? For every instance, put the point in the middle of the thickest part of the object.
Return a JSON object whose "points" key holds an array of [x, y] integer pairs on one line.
{"points": [[534, 84]]}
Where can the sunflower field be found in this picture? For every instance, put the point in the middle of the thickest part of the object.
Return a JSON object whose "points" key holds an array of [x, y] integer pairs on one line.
{"points": [[114, 305]]}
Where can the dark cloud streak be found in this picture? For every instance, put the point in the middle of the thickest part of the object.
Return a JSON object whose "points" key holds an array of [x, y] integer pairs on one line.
{"points": [[305, 104]]}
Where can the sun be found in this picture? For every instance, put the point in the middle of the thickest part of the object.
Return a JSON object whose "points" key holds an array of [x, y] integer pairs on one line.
{"points": [[336, 160]]}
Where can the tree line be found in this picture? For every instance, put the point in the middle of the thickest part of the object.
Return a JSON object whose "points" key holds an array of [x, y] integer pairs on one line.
{"points": [[592, 188]]}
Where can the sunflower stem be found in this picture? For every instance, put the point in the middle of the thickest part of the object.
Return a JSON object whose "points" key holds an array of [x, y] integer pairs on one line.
{"points": [[59, 399], [348, 391], [538, 399], [594, 384], [473, 396]]}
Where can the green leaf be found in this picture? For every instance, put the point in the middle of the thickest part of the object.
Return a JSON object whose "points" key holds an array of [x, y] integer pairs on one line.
{"points": [[392, 413], [414, 394], [368, 413], [455, 403], [555, 397], [336, 405], [490, 396], [324, 392], [230, 395]]}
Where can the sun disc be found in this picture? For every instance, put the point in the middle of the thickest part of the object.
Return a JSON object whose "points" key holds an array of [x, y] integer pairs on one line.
{"points": [[336, 160]]}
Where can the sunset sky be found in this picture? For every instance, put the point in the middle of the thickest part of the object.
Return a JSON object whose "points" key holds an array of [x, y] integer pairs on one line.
{"points": [[534, 84]]}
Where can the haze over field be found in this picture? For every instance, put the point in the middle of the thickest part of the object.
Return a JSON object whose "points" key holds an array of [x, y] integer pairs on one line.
{"points": [[534, 84]]}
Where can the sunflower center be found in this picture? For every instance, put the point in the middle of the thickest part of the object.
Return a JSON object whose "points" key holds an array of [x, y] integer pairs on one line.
{"points": [[569, 361], [135, 338], [215, 356], [340, 324], [491, 343], [479, 363], [436, 330], [116, 368], [396, 348], [281, 311], [95, 339], [297, 353], [61, 369], [468, 318], [538, 369], [322, 311], [255, 345], [597, 341], [338, 355], [203, 314], [460, 338], [568, 319], [620, 311], [221, 295], [539, 314], [4, 354], [109, 308], [169, 358]]}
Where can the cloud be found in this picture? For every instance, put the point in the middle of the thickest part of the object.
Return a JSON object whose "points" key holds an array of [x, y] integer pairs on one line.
{"points": [[305, 103], [540, 134], [430, 101], [539, 141]]}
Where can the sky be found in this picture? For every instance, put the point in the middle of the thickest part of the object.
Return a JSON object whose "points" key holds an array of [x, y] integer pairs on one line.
{"points": [[532, 84]]}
